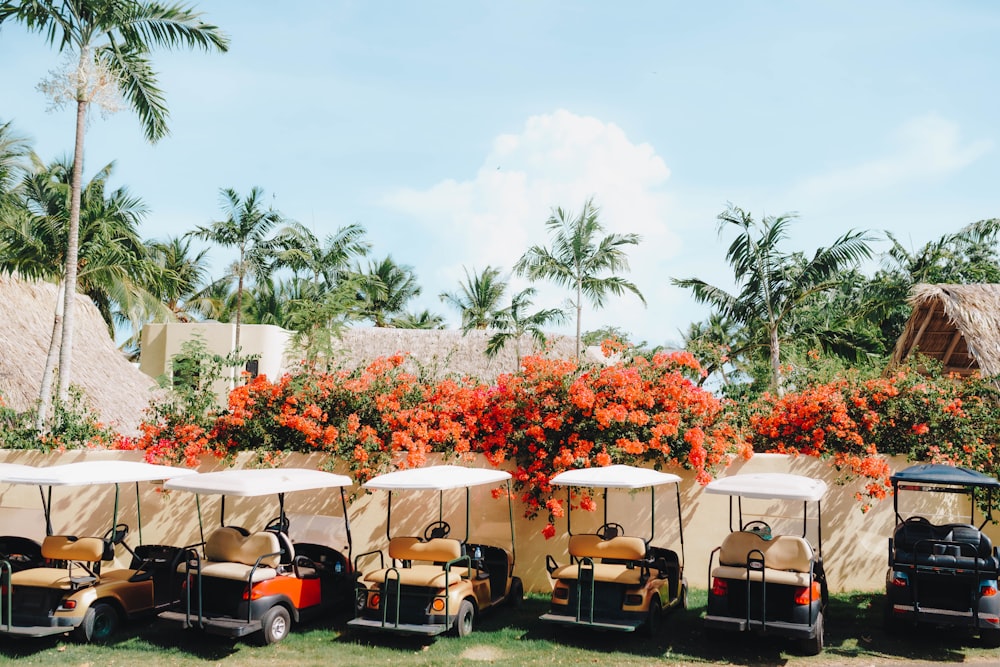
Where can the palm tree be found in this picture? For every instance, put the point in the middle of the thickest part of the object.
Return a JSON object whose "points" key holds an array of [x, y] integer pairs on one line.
{"points": [[514, 321], [245, 228], [579, 260], [114, 270], [772, 283], [111, 40], [14, 152], [183, 274], [384, 290], [425, 319], [326, 261], [478, 298]]}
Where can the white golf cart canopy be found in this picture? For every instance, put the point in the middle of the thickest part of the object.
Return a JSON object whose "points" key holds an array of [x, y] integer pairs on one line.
{"points": [[769, 486], [436, 478], [258, 482], [614, 477], [89, 473], [8, 470]]}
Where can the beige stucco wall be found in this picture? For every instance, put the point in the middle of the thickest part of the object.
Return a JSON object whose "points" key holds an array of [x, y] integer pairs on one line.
{"points": [[161, 342], [854, 544]]}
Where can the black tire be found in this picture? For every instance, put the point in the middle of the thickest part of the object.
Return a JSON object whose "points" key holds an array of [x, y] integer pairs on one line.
{"points": [[516, 595], [100, 623], [654, 615], [891, 624], [684, 594], [990, 637], [814, 646], [465, 619], [277, 622]]}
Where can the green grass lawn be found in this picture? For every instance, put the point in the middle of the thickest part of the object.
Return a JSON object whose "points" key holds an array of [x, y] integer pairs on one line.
{"points": [[515, 637]]}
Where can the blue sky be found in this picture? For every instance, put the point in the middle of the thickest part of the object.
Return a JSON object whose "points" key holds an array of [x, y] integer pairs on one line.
{"points": [[450, 129]]}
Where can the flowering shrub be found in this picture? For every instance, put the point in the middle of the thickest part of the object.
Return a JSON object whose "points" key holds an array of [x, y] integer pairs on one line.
{"points": [[856, 421], [73, 425], [554, 415]]}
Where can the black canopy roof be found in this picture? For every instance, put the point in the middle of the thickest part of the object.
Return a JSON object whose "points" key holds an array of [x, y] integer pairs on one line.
{"points": [[936, 473]]}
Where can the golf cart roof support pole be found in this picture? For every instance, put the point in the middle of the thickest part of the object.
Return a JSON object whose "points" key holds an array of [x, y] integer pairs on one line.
{"points": [[281, 510], [201, 526], [347, 524], [972, 506], [988, 515], [805, 518], [819, 526], [510, 513], [569, 510], [114, 517], [739, 504], [468, 503], [680, 521], [895, 501], [222, 511], [45, 508], [138, 512], [605, 503], [652, 513], [388, 517]]}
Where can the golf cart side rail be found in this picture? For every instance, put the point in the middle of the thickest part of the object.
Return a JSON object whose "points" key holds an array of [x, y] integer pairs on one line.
{"points": [[197, 568]]}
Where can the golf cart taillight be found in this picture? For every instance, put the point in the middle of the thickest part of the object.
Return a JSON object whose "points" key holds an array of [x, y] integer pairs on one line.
{"points": [[720, 586], [988, 587], [900, 580], [560, 593], [375, 600], [67, 605], [252, 594], [633, 600], [808, 594]]}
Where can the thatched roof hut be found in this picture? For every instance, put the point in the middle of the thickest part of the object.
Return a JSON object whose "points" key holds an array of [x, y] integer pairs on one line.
{"points": [[959, 325], [115, 389], [442, 352]]}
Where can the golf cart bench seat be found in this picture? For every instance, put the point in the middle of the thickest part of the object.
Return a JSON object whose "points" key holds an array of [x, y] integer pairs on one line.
{"points": [[70, 547], [621, 548], [63, 548], [231, 555], [435, 552], [954, 545], [787, 559]]}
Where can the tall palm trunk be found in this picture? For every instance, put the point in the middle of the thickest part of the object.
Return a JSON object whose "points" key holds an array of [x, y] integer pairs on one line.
{"points": [[579, 314], [45, 391], [72, 248], [776, 383]]}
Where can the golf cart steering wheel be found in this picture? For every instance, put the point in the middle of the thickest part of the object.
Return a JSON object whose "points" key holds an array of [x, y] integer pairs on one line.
{"points": [[437, 529], [609, 531], [117, 534], [759, 527], [278, 524]]}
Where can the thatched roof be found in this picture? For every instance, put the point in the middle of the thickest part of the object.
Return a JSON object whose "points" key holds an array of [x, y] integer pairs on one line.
{"points": [[116, 390], [441, 352], [959, 325]]}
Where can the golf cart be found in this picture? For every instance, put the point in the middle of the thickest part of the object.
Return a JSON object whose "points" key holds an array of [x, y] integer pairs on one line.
{"points": [[238, 583], [71, 591], [435, 583], [614, 581], [943, 574], [766, 582], [19, 552]]}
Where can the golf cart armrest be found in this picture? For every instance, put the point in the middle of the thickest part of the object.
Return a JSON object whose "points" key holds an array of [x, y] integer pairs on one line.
{"points": [[381, 559], [550, 564], [461, 559]]}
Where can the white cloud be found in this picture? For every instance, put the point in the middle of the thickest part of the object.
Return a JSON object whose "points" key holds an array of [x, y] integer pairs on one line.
{"points": [[922, 148], [557, 159]]}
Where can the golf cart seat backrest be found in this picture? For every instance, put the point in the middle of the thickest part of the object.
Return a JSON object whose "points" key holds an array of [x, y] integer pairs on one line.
{"points": [[435, 550], [68, 547], [228, 545], [785, 552], [957, 545], [617, 548]]}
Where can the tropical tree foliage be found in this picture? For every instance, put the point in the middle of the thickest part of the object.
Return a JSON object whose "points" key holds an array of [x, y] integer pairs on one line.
{"points": [[384, 289], [514, 322], [478, 298], [108, 43], [581, 260], [772, 283]]}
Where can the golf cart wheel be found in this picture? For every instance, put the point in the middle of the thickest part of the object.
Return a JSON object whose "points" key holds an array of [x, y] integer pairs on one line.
{"points": [[277, 622], [990, 637], [653, 616], [684, 594], [465, 618], [891, 624], [814, 646], [99, 623], [516, 594]]}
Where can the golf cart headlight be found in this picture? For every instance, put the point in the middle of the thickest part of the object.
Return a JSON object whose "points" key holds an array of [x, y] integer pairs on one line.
{"points": [[438, 605]]}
